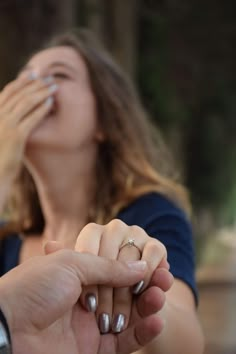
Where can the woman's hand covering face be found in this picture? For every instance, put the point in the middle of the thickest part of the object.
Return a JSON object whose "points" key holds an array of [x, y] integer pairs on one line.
{"points": [[24, 103]]}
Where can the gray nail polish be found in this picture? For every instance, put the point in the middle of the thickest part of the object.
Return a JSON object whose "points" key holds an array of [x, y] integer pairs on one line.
{"points": [[104, 323], [138, 287], [91, 302], [53, 88], [49, 101], [118, 323], [48, 80]]}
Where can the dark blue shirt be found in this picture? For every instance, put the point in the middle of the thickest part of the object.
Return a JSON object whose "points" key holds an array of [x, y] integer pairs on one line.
{"points": [[159, 217]]}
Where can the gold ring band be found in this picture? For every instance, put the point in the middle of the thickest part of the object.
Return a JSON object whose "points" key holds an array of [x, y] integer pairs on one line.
{"points": [[130, 243]]}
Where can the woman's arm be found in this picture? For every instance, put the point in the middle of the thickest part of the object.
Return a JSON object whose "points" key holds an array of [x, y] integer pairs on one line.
{"points": [[182, 333]]}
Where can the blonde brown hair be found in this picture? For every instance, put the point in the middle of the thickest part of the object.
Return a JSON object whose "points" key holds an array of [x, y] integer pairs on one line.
{"points": [[132, 159]]}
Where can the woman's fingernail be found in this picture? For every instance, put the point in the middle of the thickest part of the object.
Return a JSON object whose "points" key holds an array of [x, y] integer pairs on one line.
{"points": [[53, 88], [48, 80], [138, 287], [91, 302], [137, 265], [33, 75], [118, 323], [49, 101], [104, 323]]}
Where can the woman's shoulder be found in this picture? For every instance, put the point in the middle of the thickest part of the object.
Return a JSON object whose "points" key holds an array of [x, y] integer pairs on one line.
{"points": [[149, 207], [10, 240], [9, 252]]}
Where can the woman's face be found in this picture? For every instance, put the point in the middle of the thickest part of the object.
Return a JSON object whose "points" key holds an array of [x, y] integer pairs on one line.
{"points": [[72, 123]]}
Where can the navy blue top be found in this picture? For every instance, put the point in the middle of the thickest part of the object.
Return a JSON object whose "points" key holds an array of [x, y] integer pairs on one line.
{"points": [[159, 217]]}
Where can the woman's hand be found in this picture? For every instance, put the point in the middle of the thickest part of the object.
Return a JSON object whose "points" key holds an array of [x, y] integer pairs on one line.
{"points": [[24, 103], [115, 308]]}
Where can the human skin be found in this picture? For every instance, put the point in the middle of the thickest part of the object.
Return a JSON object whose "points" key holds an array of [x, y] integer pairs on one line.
{"points": [[40, 301]]}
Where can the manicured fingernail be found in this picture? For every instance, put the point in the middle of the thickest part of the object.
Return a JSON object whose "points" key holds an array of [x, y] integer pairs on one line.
{"points": [[53, 88], [33, 75], [138, 287], [91, 302], [104, 323], [118, 323], [137, 265], [48, 80], [49, 101]]}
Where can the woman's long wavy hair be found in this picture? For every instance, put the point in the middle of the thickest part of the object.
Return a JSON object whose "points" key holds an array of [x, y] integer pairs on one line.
{"points": [[132, 159]]}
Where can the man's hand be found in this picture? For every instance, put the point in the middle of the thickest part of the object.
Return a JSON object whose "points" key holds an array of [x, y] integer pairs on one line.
{"points": [[40, 301]]}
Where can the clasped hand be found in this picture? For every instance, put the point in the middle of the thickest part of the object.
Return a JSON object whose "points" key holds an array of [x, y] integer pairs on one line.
{"points": [[118, 310], [40, 297]]}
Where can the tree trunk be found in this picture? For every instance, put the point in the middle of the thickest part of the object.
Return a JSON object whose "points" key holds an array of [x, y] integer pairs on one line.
{"points": [[25, 25], [115, 23], [121, 30], [95, 17]]}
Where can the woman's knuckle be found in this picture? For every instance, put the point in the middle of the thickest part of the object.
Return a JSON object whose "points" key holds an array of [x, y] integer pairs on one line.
{"points": [[162, 248], [115, 224], [137, 230], [91, 227], [156, 246]]}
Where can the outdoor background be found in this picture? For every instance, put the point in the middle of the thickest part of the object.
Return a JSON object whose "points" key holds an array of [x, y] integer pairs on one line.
{"points": [[181, 55]]}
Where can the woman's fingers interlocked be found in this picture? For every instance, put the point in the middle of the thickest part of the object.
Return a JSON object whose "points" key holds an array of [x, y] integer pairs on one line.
{"points": [[105, 242], [113, 306]]}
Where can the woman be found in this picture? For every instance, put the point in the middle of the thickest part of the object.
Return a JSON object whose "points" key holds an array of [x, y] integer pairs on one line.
{"points": [[74, 133]]}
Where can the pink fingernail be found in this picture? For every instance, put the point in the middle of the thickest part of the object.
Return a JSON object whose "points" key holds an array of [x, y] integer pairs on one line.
{"points": [[33, 75], [49, 101], [137, 265]]}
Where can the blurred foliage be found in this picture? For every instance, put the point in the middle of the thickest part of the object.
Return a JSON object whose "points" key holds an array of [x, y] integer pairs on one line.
{"points": [[187, 79], [25, 25], [159, 92]]}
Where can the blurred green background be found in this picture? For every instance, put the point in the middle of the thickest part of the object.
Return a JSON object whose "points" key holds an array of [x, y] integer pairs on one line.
{"points": [[182, 56]]}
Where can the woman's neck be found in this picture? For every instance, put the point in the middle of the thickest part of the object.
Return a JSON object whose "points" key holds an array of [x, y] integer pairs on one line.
{"points": [[66, 191]]}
